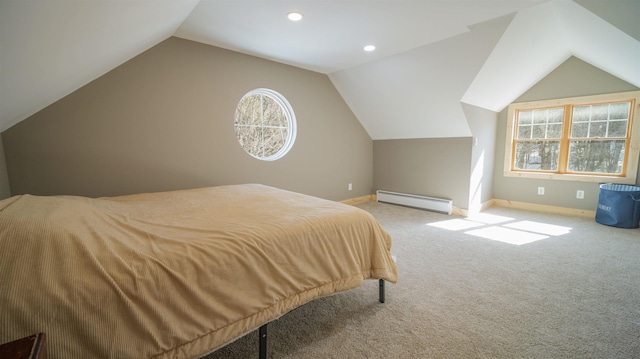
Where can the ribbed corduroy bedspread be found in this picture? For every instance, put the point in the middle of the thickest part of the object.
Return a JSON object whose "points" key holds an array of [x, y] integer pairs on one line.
{"points": [[174, 274]]}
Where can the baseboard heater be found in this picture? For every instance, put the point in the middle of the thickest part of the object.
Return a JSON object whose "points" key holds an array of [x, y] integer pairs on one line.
{"points": [[411, 200]]}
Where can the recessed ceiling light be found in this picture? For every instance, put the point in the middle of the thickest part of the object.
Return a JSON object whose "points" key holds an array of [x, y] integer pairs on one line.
{"points": [[294, 16], [369, 48]]}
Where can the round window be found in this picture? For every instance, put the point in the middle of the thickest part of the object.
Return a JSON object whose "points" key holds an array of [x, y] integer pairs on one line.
{"points": [[265, 124]]}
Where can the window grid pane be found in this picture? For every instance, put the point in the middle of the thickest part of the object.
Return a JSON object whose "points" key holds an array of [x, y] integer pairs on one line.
{"points": [[597, 156], [537, 155], [608, 120], [540, 124]]}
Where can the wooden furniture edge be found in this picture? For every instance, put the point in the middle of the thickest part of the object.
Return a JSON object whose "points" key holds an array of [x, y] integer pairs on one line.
{"points": [[31, 347]]}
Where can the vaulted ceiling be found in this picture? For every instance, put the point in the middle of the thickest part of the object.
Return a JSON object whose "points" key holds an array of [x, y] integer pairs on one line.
{"points": [[542, 37], [431, 55]]}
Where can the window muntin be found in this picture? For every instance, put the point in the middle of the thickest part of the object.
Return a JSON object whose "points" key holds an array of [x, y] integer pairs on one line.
{"points": [[585, 139], [265, 124]]}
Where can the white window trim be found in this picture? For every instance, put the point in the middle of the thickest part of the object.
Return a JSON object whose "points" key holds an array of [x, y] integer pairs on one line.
{"points": [[634, 145]]}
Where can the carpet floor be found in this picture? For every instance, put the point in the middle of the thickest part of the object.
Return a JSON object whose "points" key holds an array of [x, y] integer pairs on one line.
{"points": [[504, 284]]}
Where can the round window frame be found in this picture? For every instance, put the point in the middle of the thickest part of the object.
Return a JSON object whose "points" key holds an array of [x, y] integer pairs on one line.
{"points": [[289, 115]]}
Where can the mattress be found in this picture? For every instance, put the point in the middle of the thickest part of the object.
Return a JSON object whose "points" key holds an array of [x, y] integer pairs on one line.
{"points": [[175, 274]]}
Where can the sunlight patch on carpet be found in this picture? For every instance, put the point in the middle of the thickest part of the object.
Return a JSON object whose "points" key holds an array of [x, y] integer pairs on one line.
{"points": [[502, 229], [456, 224], [476, 220], [489, 218], [507, 235], [539, 227]]}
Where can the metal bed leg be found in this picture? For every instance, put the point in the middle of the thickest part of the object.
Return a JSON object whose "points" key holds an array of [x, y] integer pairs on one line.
{"points": [[262, 332]]}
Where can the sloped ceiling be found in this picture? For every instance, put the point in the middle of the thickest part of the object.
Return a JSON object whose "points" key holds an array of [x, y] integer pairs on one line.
{"points": [[333, 32], [50, 48], [431, 53], [418, 94], [539, 39]]}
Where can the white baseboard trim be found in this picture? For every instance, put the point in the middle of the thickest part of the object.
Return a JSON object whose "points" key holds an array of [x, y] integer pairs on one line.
{"points": [[502, 203]]}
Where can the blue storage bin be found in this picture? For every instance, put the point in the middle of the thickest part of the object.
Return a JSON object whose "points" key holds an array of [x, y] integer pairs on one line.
{"points": [[619, 205]]}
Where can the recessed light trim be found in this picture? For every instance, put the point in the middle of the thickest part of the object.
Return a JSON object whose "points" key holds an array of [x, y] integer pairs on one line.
{"points": [[369, 48], [294, 16]]}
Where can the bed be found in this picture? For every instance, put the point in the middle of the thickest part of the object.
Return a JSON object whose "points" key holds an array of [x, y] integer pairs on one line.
{"points": [[175, 274]]}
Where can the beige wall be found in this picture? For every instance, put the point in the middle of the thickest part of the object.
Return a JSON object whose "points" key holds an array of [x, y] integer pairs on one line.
{"points": [[573, 78], [460, 169], [164, 120], [483, 124], [4, 176], [437, 167]]}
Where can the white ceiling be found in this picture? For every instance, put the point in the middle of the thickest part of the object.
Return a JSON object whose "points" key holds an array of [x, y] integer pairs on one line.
{"points": [[419, 93], [332, 33], [539, 39], [50, 48]]}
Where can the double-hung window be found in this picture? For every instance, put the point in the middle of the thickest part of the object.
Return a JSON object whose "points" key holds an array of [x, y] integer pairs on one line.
{"points": [[589, 138]]}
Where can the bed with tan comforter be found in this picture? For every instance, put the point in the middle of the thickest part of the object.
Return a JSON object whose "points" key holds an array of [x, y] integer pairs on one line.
{"points": [[175, 274]]}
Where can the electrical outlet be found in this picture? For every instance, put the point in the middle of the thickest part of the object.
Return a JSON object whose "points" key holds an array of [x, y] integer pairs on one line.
{"points": [[541, 190], [580, 194], [350, 186]]}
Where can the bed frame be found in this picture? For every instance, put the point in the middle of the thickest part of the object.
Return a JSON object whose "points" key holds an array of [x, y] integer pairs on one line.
{"points": [[130, 247], [262, 331]]}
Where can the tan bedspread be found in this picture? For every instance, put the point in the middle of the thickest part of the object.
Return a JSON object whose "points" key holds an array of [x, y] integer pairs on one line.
{"points": [[175, 274]]}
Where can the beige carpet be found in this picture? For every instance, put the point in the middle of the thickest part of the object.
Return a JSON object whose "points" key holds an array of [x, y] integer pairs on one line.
{"points": [[567, 288]]}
